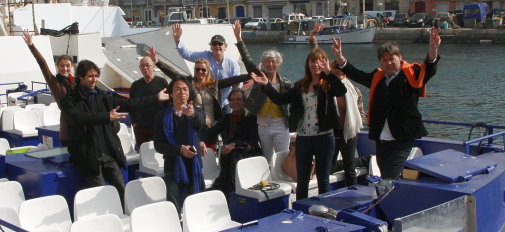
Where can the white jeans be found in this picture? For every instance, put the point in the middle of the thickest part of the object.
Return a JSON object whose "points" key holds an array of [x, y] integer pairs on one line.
{"points": [[273, 135]]}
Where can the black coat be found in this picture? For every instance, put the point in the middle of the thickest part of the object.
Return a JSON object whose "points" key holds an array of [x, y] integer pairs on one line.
{"points": [[397, 103], [326, 108], [84, 125]]}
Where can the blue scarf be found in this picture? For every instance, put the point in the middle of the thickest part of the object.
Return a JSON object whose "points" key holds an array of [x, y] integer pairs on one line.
{"points": [[181, 175]]}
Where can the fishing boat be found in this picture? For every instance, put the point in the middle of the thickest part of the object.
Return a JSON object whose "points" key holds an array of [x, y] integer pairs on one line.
{"points": [[335, 28]]}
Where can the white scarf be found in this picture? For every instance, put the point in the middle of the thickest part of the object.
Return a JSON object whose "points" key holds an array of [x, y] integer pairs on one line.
{"points": [[353, 122]]}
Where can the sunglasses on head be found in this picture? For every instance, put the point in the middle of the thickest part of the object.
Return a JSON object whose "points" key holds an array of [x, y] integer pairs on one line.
{"points": [[200, 69], [216, 43]]}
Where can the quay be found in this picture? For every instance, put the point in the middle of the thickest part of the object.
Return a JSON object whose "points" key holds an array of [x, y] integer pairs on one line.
{"points": [[402, 35]]}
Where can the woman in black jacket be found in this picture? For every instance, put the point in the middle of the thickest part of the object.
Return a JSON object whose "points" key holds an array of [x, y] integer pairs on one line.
{"points": [[313, 114]]}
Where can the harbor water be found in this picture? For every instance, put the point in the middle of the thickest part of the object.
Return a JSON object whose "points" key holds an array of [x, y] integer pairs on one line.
{"points": [[468, 86]]}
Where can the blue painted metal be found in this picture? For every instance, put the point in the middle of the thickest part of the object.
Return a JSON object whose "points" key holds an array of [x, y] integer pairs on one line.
{"points": [[2, 166], [357, 197], [467, 143], [50, 131], [5, 224], [16, 140], [244, 209], [296, 222], [488, 189], [353, 217], [451, 166]]}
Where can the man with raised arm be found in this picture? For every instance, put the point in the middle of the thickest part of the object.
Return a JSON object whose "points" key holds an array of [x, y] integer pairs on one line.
{"points": [[393, 117], [222, 66]]}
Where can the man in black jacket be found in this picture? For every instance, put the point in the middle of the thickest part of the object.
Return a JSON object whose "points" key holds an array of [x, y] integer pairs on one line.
{"points": [[94, 146], [395, 88], [239, 132]]}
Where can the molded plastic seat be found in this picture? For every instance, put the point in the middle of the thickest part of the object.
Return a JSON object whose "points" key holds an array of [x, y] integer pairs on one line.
{"points": [[156, 217], [99, 200], [132, 157], [51, 116], [53, 105], [123, 129], [278, 174], [40, 111], [11, 195], [207, 211], [210, 168], [45, 213], [144, 191], [31, 106], [8, 116], [4, 146], [416, 152], [373, 167], [25, 122], [108, 223], [9, 215], [250, 172], [151, 162]]}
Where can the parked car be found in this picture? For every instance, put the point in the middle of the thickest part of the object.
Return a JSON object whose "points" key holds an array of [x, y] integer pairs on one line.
{"points": [[254, 23], [444, 17], [243, 20], [420, 20], [401, 20], [275, 20]]}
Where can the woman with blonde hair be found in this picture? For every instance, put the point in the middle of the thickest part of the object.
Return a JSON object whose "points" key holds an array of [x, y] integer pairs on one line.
{"points": [[313, 115]]}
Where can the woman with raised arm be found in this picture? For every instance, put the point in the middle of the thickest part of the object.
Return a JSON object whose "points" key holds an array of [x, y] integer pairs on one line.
{"points": [[272, 118], [206, 88], [60, 84], [313, 115]]}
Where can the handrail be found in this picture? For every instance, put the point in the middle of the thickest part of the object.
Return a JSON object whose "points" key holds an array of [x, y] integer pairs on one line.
{"points": [[11, 226], [467, 143], [39, 82], [489, 128]]}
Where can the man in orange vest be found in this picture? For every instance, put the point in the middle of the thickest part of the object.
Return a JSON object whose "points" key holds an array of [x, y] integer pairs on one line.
{"points": [[395, 88]]}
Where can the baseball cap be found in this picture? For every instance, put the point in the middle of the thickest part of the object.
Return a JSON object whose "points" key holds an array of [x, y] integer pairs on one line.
{"points": [[218, 38]]}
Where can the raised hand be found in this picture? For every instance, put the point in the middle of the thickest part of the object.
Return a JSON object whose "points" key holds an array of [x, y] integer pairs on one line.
{"points": [[318, 27], [152, 54], [336, 49], [114, 115], [188, 109], [237, 30], [435, 42], [162, 96], [262, 80], [27, 37], [177, 32]]}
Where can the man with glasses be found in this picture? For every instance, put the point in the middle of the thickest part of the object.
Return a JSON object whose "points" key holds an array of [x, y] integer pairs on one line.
{"points": [[143, 119], [222, 66]]}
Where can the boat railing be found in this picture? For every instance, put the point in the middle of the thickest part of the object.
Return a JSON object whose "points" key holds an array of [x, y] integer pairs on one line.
{"points": [[5, 224], [12, 83], [491, 136]]}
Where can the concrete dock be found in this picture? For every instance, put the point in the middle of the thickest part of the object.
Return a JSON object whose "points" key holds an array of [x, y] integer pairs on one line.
{"points": [[402, 35]]}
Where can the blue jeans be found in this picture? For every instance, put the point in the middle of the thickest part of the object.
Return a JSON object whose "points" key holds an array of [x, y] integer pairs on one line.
{"points": [[322, 147]]}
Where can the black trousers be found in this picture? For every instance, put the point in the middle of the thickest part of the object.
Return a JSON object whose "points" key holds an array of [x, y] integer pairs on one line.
{"points": [[111, 173], [226, 179], [391, 155], [348, 151]]}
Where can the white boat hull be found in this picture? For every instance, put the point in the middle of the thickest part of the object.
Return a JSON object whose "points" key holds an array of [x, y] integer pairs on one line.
{"points": [[349, 37]]}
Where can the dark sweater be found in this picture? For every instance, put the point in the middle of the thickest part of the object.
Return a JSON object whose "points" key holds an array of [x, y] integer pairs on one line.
{"points": [[139, 88]]}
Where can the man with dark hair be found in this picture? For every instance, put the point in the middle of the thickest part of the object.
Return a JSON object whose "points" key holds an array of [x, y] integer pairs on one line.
{"points": [[239, 132], [94, 146], [143, 119], [176, 137], [395, 88]]}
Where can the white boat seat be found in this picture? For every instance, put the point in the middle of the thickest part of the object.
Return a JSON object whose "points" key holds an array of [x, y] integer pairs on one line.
{"points": [[151, 162], [250, 172], [25, 122], [8, 116], [132, 157], [48, 213], [156, 217], [210, 169], [144, 191], [107, 222]]}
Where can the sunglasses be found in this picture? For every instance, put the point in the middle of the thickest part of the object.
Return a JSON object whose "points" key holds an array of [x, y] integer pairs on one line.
{"points": [[200, 69], [216, 43]]}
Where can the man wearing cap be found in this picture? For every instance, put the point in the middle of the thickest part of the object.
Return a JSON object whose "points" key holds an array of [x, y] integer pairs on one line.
{"points": [[222, 66]]}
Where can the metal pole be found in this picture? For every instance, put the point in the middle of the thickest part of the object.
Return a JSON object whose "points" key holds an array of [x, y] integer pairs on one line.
{"points": [[35, 29]]}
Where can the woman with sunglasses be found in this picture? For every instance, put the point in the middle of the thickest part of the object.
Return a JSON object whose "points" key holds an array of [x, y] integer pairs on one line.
{"points": [[205, 86], [60, 84], [272, 118]]}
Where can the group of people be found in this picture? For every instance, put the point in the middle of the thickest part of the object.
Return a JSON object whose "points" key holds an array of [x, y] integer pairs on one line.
{"points": [[185, 117]]}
